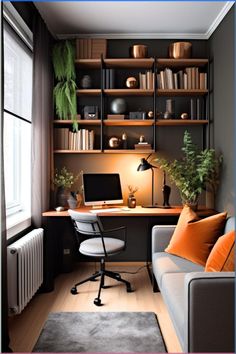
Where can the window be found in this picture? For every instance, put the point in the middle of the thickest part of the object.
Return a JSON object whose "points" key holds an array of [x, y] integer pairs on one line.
{"points": [[18, 67]]}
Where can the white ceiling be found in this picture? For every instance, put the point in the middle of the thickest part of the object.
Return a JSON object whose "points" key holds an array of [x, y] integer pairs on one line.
{"points": [[133, 19]]}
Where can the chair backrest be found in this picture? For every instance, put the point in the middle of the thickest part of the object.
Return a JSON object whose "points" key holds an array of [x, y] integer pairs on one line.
{"points": [[86, 223]]}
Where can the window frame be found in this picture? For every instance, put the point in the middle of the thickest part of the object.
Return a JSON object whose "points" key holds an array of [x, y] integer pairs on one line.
{"points": [[18, 219]]}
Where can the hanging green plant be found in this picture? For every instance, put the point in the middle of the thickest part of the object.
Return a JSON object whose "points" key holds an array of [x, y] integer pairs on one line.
{"points": [[63, 57]]}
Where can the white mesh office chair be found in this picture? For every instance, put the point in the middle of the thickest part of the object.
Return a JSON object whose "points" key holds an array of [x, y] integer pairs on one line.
{"points": [[99, 244]]}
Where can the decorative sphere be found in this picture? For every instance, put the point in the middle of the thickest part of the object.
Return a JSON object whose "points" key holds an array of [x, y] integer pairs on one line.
{"points": [[150, 114], [131, 82], [118, 106], [114, 142], [184, 116]]}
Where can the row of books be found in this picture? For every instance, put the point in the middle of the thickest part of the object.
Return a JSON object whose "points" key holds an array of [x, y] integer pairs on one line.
{"points": [[91, 48], [188, 79], [109, 78], [146, 80], [65, 139], [196, 108]]}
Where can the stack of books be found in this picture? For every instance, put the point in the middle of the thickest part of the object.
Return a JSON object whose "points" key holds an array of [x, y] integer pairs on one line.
{"points": [[146, 80], [115, 116], [89, 48], [143, 146], [64, 139]]}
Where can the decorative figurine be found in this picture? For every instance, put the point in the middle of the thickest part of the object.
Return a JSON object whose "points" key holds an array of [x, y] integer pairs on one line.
{"points": [[142, 139], [166, 192], [86, 82], [124, 140], [170, 109]]}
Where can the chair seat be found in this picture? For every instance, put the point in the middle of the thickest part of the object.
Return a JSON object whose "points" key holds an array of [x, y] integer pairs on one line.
{"points": [[93, 246]]}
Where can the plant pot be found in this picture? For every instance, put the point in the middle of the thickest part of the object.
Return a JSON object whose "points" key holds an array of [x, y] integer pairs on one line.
{"points": [[193, 206], [62, 196]]}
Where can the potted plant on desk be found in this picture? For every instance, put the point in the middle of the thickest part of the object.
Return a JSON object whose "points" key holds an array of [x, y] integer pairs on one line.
{"points": [[64, 180], [193, 171]]}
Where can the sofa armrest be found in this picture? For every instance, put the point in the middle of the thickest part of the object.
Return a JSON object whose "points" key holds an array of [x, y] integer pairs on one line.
{"points": [[209, 312], [161, 235]]}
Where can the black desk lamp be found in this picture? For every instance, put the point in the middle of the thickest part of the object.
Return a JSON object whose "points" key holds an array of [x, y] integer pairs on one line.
{"points": [[145, 165]]}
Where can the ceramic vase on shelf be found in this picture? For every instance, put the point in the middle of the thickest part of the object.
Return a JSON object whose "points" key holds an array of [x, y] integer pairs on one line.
{"points": [[131, 201]]}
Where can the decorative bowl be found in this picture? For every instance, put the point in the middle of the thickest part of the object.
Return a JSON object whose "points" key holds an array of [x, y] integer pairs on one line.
{"points": [[180, 50], [139, 51]]}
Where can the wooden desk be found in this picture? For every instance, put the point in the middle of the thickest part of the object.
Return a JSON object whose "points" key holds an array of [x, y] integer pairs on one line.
{"points": [[61, 249], [138, 211]]}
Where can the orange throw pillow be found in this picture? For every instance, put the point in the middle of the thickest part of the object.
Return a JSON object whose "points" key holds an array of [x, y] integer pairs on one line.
{"points": [[193, 239], [221, 258]]}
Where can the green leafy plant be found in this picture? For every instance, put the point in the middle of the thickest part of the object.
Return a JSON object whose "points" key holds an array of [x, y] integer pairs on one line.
{"points": [[63, 57], [64, 178], [193, 171]]}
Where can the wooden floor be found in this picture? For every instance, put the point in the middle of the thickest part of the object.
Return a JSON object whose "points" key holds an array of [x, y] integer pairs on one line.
{"points": [[25, 328]]}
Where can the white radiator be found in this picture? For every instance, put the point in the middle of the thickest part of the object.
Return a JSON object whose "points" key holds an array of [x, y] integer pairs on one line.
{"points": [[24, 269]]}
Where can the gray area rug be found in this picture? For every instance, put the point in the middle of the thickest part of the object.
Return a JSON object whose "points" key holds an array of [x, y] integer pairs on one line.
{"points": [[121, 332]]}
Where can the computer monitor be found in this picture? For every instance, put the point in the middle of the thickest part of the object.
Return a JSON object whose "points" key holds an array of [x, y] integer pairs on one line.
{"points": [[102, 188]]}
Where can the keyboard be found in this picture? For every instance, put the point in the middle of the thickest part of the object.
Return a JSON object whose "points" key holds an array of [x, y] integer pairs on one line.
{"points": [[110, 210]]}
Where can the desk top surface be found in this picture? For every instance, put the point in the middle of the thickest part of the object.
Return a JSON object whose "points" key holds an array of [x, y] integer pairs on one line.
{"points": [[138, 211]]}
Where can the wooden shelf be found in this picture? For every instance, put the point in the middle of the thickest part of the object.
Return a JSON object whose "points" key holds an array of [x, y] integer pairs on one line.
{"points": [[128, 63], [128, 122], [90, 92], [174, 122], [146, 63], [77, 151], [128, 92], [181, 63], [130, 151], [180, 92], [79, 121], [133, 122], [88, 63]]}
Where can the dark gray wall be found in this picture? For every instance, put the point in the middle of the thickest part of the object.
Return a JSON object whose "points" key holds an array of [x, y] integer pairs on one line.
{"points": [[221, 47]]}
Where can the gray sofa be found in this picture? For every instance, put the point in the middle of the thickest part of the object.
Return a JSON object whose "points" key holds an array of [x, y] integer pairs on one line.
{"points": [[200, 304]]}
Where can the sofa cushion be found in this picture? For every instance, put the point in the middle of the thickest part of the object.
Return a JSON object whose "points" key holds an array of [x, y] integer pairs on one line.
{"points": [[193, 240], [163, 263], [173, 294], [221, 258]]}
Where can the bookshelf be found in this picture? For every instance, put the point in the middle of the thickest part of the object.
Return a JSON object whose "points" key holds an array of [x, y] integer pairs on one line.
{"points": [[103, 96]]}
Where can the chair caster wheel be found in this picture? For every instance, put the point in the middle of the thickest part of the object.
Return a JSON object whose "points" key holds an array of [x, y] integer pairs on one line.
{"points": [[74, 291], [129, 290], [97, 302]]}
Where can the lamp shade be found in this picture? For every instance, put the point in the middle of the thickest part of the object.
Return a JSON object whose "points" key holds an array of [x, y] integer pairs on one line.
{"points": [[144, 165]]}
